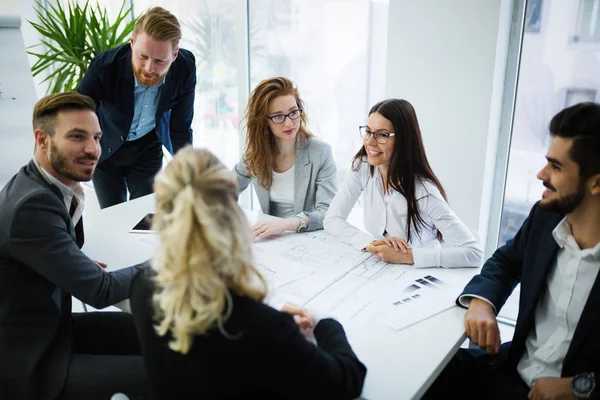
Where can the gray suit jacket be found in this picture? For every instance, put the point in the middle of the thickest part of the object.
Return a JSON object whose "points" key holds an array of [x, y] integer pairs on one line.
{"points": [[41, 266], [315, 181]]}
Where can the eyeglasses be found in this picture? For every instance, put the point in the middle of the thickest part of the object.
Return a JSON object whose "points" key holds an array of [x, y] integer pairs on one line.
{"points": [[280, 118], [381, 137]]}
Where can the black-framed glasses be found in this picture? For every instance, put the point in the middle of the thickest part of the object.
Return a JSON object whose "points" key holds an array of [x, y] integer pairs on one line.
{"points": [[381, 137], [280, 118]]}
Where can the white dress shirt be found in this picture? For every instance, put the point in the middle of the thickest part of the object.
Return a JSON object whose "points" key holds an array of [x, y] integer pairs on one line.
{"points": [[67, 194], [388, 213], [569, 284]]}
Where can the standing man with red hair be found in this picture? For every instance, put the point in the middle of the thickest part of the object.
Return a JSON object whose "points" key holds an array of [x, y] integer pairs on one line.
{"points": [[144, 92]]}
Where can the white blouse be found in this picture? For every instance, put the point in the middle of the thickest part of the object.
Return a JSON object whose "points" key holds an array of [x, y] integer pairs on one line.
{"points": [[389, 213], [281, 195]]}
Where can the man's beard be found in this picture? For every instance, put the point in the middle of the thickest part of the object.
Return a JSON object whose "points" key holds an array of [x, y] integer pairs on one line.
{"points": [[145, 81], [567, 203], [60, 164]]}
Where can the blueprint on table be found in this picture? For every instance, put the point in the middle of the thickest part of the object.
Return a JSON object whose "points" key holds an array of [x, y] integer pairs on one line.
{"points": [[318, 271]]}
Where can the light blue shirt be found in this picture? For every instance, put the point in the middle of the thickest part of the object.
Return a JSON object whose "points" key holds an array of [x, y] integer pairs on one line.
{"points": [[145, 103]]}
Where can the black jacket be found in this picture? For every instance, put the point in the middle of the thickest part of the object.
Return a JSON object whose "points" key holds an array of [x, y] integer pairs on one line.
{"points": [[268, 359]]}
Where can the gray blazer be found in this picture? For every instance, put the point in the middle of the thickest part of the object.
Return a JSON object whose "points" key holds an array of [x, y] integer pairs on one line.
{"points": [[315, 181], [41, 266]]}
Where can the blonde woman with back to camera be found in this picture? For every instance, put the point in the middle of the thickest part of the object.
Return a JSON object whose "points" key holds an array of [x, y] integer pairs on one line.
{"points": [[293, 173], [203, 327]]}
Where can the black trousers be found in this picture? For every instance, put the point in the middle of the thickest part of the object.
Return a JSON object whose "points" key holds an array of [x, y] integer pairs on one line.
{"points": [[106, 358], [474, 374], [130, 168]]}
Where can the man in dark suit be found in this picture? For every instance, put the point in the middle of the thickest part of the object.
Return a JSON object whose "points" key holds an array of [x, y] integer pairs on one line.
{"points": [[45, 351], [555, 351], [144, 92]]}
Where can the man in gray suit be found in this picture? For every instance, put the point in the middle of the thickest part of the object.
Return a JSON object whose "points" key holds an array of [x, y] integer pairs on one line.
{"points": [[45, 351]]}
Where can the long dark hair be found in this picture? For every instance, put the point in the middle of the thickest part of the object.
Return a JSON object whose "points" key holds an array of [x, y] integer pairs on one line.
{"points": [[409, 162]]}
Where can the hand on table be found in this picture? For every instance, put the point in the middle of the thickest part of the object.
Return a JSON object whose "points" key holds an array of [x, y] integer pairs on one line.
{"points": [[100, 264], [302, 317], [392, 250], [481, 325], [551, 388], [397, 243], [265, 229]]}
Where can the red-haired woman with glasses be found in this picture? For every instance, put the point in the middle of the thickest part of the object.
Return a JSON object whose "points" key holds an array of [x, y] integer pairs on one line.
{"points": [[293, 173], [405, 210]]}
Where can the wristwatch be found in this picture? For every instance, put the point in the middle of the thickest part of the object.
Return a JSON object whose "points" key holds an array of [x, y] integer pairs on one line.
{"points": [[303, 218], [583, 385]]}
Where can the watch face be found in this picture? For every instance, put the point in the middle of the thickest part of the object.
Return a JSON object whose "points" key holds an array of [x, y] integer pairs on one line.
{"points": [[582, 384]]}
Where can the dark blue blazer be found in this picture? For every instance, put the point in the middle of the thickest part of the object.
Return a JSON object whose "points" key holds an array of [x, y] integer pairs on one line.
{"points": [[109, 81], [528, 258]]}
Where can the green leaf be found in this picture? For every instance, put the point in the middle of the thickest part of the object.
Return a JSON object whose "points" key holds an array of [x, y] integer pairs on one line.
{"points": [[72, 35]]}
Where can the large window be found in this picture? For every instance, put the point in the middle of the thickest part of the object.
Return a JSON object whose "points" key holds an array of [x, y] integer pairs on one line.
{"points": [[209, 31], [555, 72], [324, 47], [588, 23], [334, 50]]}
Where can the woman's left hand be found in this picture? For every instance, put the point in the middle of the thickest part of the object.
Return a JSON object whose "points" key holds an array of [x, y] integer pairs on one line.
{"points": [[265, 229], [389, 254], [397, 243]]}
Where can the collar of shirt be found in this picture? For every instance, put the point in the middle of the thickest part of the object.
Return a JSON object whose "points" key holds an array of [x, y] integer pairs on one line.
{"points": [[66, 192], [137, 83], [564, 239], [379, 183]]}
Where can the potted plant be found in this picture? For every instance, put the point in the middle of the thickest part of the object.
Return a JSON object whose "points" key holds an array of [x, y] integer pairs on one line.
{"points": [[72, 37]]}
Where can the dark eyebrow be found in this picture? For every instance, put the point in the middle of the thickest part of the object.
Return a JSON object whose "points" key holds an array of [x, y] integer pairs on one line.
{"points": [[79, 130], [554, 161], [378, 130]]}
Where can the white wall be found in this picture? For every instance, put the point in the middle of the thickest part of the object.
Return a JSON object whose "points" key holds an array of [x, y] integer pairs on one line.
{"points": [[9, 7], [448, 59], [17, 94]]}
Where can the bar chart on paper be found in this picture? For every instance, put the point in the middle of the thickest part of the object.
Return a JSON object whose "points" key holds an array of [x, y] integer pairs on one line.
{"points": [[420, 295]]}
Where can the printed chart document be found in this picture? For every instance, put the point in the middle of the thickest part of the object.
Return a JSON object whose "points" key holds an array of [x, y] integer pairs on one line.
{"points": [[419, 295], [317, 271]]}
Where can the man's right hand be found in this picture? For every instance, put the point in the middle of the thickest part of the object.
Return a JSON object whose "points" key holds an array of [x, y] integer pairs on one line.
{"points": [[481, 325]]}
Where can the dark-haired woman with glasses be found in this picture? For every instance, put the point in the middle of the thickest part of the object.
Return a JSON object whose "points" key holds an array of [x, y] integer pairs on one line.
{"points": [[293, 173], [405, 210]]}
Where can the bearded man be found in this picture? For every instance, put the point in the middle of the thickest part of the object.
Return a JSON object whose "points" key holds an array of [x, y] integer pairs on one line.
{"points": [[144, 92], [555, 256], [47, 352]]}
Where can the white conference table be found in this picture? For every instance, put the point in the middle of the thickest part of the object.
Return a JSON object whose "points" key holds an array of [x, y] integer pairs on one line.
{"points": [[401, 364]]}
